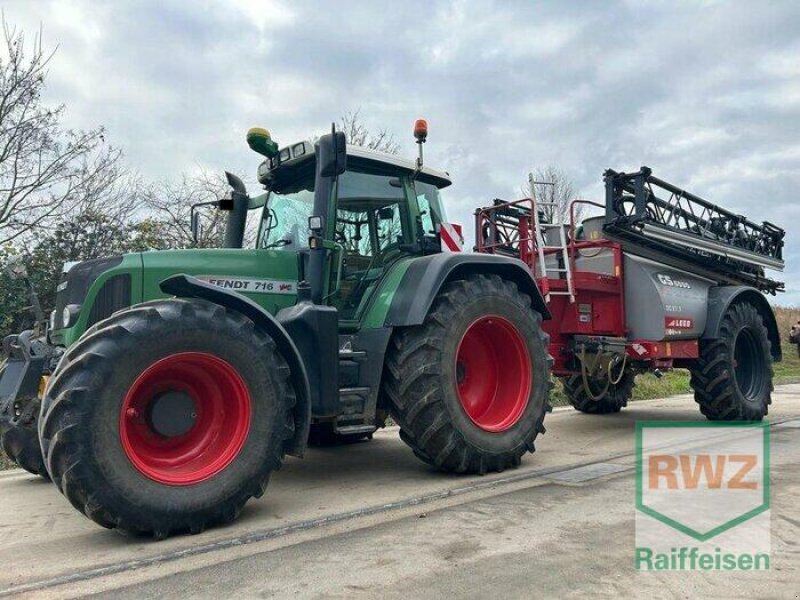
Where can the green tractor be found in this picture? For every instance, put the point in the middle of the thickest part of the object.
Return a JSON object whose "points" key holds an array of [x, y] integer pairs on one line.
{"points": [[181, 379]]}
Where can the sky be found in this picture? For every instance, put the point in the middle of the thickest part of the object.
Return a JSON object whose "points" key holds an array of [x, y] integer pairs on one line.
{"points": [[707, 94]]}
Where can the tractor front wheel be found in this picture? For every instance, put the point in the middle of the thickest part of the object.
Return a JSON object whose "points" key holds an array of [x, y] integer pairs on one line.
{"points": [[167, 417], [469, 387]]}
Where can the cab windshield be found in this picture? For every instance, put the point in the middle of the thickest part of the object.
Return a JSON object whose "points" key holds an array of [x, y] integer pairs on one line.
{"points": [[284, 224]]}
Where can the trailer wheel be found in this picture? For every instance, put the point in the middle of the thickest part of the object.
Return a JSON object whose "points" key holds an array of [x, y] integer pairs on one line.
{"points": [[732, 378], [167, 417], [19, 436], [469, 387], [614, 400]]}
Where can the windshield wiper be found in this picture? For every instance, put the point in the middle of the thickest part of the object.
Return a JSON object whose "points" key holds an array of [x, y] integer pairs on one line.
{"points": [[278, 244]]}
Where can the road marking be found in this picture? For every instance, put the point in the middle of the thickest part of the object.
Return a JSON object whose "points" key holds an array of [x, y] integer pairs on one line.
{"points": [[587, 472]]}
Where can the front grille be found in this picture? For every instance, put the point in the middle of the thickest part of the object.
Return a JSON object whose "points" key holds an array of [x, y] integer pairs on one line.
{"points": [[113, 296], [72, 289]]}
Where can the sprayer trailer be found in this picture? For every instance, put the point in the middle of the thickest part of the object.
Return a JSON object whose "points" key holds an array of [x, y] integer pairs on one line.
{"points": [[661, 279]]}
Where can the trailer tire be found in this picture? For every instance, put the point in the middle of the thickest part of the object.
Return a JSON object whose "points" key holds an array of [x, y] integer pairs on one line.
{"points": [[19, 437], [167, 417], [732, 378], [613, 401], [470, 386]]}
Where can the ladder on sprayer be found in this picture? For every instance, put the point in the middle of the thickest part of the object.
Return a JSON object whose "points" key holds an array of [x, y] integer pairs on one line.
{"points": [[540, 229]]}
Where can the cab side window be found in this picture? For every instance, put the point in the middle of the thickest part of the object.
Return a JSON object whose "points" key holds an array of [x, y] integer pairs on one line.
{"points": [[371, 225], [428, 203]]}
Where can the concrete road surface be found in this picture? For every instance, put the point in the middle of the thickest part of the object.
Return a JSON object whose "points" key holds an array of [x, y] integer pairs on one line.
{"points": [[369, 520]]}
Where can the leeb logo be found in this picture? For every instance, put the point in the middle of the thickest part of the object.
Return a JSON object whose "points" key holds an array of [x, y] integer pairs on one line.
{"points": [[702, 496]]}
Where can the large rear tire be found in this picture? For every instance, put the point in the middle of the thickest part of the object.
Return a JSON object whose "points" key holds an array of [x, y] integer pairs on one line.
{"points": [[19, 435], [612, 401], [732, 378], [167, 417], [469, 387]]}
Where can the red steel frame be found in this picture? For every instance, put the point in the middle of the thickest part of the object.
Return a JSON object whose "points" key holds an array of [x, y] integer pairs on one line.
{"points": [[599, 307]]}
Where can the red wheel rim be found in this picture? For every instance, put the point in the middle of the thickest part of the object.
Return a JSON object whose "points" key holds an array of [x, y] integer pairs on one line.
{"points": [[493, 373], [218, 425]]}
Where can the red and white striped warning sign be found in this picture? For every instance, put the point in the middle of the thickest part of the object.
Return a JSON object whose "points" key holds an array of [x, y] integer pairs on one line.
{"points": [[452, 240]]}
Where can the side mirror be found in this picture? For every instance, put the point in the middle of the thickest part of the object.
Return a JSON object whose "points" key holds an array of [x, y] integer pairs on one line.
{"points": [[332, 154], [194, 214]]}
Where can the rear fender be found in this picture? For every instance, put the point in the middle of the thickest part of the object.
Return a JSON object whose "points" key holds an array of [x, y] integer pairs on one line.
{"points": [[721, 298], [426, 275], [185, 286]]}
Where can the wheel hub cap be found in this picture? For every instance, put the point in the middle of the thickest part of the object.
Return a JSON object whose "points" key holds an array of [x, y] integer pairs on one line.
{"points": [[172, 413], [493, 373], [185, 418]]}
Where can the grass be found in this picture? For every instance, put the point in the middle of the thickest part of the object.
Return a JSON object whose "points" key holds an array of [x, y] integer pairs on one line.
{"points": [[677, 381], [647, 386], [788, 370]]}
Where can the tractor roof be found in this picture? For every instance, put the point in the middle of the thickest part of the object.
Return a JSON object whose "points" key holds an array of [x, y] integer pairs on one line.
{"points": [[440, 179], [299, 157]]}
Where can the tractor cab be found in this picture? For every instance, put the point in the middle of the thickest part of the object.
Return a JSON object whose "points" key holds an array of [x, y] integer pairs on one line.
{"points": [[380, 210]]}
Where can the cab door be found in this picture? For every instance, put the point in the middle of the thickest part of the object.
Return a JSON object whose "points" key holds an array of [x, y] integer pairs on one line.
{"points": [[371, 230]]}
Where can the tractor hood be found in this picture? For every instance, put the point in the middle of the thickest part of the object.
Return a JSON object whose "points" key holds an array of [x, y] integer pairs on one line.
{"points": [[92, 290], [269, 277]]}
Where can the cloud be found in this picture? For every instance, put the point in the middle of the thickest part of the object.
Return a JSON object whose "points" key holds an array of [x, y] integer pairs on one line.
{"points": [[706, 94]]}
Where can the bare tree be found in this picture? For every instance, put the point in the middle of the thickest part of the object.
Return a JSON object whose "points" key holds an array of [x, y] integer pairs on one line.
{"points": [[552, 187], [46, 171], [171, 204], [358, 134]]}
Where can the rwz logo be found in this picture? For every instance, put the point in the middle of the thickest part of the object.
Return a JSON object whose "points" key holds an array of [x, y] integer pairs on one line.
{"points": [[702, 496], [667, 471]]}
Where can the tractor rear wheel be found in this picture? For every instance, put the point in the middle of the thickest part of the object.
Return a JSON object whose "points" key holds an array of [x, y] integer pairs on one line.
{"points": [[613, 400], [732, 378], [167, 417], [469, 387]]}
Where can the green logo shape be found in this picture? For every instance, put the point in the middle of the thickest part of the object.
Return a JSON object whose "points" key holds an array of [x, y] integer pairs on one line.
{"points": [[693, 533]]}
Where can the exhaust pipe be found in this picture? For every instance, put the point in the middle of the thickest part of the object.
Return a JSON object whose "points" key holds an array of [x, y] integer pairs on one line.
{"points": [[237, 215]]}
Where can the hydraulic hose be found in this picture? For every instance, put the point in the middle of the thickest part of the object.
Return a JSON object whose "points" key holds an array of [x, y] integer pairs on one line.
{"points": [[610, 380]]}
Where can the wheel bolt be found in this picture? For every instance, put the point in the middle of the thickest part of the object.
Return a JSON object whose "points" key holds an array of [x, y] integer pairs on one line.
{"points": [[132, 413]]}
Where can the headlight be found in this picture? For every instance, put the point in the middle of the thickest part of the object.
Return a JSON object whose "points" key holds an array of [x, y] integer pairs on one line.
{"points": [[52, 320], [70, 315]]}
